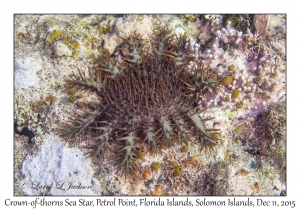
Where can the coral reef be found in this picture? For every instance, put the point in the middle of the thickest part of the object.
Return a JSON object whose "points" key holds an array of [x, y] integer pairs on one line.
{"points": [[240, 21], [197, 92], [265, 141]]}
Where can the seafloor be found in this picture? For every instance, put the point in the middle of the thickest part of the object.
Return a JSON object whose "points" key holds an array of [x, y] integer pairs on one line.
{"points": [[246, 51]]}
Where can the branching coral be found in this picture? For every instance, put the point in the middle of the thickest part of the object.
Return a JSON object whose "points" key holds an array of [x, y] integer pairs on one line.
{"points": [[148, 100], [265, 139], [276, 121], [255, 45]]}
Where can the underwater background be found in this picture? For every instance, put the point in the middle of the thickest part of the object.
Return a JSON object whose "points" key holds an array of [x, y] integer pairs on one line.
{"points": [[244, 53]]}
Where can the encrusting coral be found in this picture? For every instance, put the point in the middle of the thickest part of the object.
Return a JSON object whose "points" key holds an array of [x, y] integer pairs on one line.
{"points": [[149, 98]]}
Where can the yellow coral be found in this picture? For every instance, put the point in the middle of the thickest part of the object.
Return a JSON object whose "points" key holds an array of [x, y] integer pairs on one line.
{"points": [[178, 170], [55, 34], [239, 129], [72, 98], [235, 93], [227, 98], [231, 67], [248, 84], [80, 104], [239, 105], [227, 80], [141, 153], [156, 166]]}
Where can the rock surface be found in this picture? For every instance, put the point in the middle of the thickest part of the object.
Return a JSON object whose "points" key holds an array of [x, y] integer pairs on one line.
{"points": [[25, 73], [58, 170]]}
